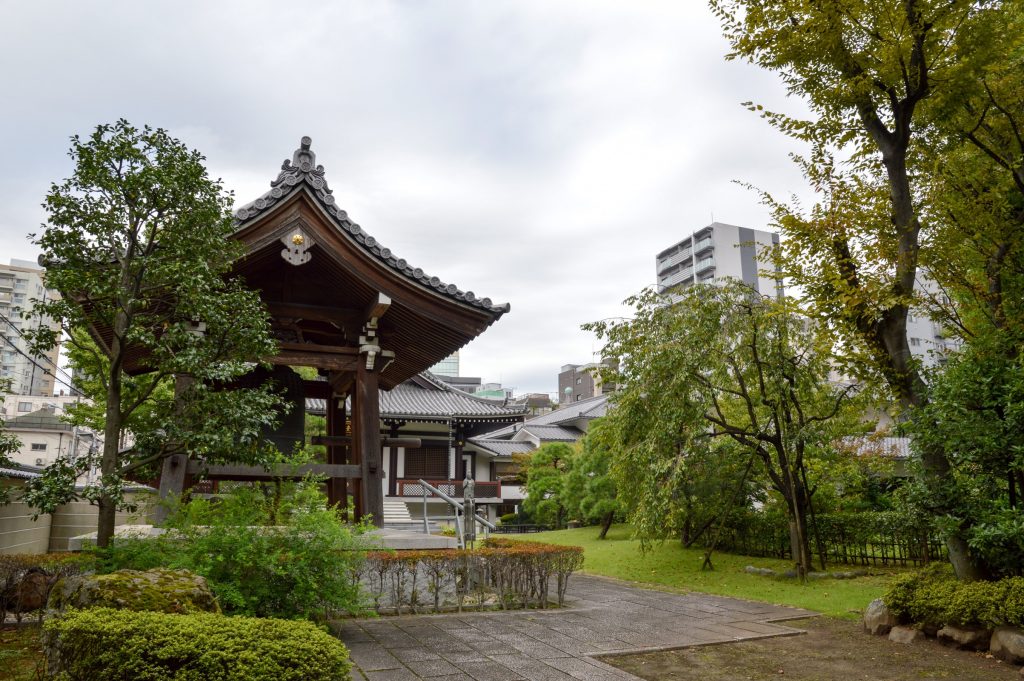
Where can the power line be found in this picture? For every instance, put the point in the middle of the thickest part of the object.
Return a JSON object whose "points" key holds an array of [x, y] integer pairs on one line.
{"points": [[66, 378]]}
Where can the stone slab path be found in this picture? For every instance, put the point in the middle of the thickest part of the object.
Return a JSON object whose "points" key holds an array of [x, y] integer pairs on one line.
{"points": [[602, 617]]}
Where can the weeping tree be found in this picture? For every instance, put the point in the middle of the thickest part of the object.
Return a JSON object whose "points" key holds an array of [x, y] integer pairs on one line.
{"points": [[719, 371], [137, 242]]}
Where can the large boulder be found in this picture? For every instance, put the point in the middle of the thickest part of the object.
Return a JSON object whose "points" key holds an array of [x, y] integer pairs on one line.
{"points": [[878, 619], [967, 638], [158, 590], [905, 635], [1008, 644]]}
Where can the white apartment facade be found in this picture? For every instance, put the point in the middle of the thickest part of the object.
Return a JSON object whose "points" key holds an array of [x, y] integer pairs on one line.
{"points": [[718, 251], [21, 282]]}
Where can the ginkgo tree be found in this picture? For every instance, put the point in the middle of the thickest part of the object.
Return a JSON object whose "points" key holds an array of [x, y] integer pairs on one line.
{"points": [[893, 88]]}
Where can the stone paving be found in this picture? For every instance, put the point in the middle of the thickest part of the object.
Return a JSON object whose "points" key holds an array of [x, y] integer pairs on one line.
{"points": [[602, 617]]}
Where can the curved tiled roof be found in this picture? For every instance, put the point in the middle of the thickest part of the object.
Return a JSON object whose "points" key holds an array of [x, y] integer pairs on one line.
{"points": [[553, 433], [502, 447], [590, 408], [426, 397], [302, 173]]}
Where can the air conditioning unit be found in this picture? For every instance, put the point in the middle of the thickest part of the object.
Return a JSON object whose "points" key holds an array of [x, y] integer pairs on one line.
{"points": [[40, 462]]}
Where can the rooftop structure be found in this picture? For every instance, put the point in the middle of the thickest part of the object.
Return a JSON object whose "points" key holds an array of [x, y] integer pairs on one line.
{"points": [[718, 251]]}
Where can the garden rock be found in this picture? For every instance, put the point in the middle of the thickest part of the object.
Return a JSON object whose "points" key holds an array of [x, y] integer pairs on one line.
{"points": [[158, 590], [751, 570], [968, 638], [1008, 644], [878, 619], [905, 635]]}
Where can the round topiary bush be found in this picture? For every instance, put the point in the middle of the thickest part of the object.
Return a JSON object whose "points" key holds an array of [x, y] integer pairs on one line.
{"points": [[101, 643]]}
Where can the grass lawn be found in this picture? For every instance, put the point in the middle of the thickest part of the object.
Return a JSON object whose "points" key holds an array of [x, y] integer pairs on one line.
{"points": [[21, 655], [670, 565]]}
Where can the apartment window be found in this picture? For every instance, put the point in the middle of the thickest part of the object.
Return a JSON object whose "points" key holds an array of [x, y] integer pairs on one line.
{"points": [[579, 381], [915, 342], [38, 446], [19, 298], [911, 318], [24, 406], [20, 284]]}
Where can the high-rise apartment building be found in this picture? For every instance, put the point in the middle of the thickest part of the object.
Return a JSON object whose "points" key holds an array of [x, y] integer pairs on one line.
{"points": [[21, 282], [578, 382], [718, 251]]}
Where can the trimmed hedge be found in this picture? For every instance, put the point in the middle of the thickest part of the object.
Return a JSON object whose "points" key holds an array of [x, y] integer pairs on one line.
{"points": [[515, 574], [100, 643], [935, 597]]}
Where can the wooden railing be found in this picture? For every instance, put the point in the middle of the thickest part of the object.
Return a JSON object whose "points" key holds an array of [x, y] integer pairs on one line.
{"points": [[453, 488]]}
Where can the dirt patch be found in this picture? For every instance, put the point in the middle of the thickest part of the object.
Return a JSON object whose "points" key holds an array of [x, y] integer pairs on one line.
{"points": [[831, 649]]}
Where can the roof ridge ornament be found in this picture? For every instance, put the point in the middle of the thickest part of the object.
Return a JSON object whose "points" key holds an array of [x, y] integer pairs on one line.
{"points": [[302, 171]]}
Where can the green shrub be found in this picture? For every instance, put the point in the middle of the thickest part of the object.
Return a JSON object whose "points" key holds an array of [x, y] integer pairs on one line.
{"points": [[284, 556], [935, 597], [146, 646], [508, 518]]}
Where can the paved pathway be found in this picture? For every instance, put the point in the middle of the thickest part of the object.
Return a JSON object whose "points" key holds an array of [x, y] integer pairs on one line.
{"points": [[602, 617]]}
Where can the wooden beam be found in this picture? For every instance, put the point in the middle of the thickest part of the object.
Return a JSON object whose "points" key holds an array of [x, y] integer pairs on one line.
{"points": [[343, 350], [281, 470], [317, 389], [366, 443], [330, 440], [341, 382], [317, 313], [376, 309], [318, 360]]}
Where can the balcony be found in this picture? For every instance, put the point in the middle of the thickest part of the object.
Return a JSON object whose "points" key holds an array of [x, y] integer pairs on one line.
{"points": [[453, 488], [6, 283], [673, 259], [705, 264], [703, 244], [682, 276]]}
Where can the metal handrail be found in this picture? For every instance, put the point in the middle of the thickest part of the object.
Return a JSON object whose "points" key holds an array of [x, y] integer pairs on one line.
{"points": [[457, 505]]}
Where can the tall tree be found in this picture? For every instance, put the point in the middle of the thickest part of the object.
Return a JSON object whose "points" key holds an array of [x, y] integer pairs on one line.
{"points": [[590, 490], [137, 242], [722, 369], [546, 471], [876, 75]]}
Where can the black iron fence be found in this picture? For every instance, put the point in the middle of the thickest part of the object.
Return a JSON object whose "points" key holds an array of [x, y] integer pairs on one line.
{"points": [[521, 529], [868, 538]]}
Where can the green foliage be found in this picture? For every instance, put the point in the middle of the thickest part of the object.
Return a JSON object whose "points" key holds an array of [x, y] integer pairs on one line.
{"points": [[935, 597], [8, 445], [546, 471], [145, 646], [713, 383], [263, 554], [923, 101], [590, 492], [138, 242], [977, 412]]}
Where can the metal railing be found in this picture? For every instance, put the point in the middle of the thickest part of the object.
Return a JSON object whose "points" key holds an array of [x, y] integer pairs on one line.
{"points": [[412, 488], [458, 510]]}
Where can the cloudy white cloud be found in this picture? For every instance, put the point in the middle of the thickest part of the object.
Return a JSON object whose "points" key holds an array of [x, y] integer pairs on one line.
{"points": [[535, 152]]}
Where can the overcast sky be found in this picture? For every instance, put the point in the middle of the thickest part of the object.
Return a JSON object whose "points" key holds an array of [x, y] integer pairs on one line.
{"points": [[539, 153]]}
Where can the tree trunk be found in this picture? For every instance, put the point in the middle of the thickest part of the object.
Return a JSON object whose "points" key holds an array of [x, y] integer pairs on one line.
{"points": [[607, 524], [108, 464]]}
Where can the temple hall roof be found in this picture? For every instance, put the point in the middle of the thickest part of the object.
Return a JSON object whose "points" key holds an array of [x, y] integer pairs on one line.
{"points": [[302, 173]]}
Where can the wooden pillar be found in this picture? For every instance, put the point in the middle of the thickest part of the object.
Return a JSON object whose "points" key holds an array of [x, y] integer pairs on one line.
{"points": [[337, 488], [366, 442], [175, 467]]}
